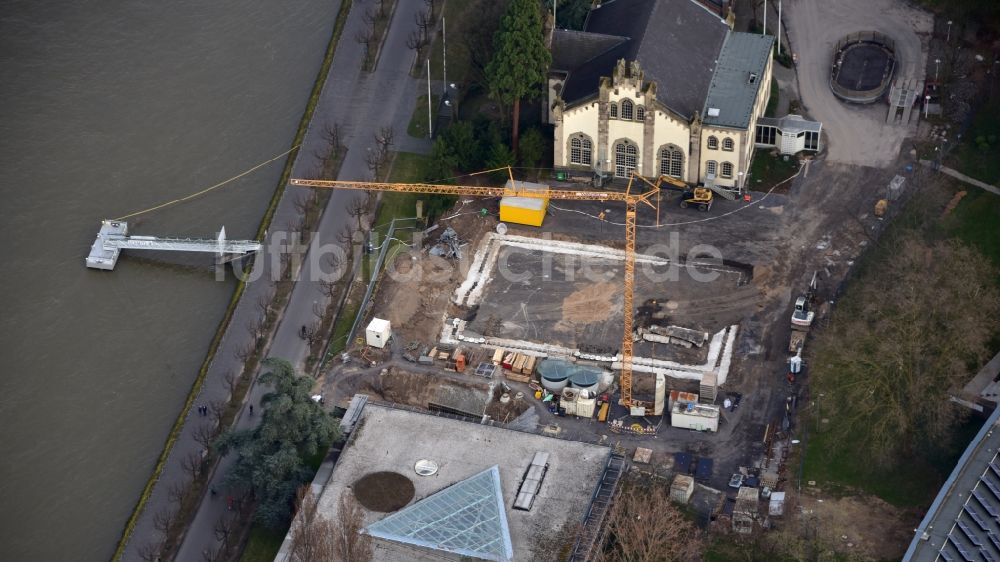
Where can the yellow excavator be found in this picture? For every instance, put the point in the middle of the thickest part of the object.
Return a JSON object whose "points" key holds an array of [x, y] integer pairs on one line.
{"points": [[700, 197]]}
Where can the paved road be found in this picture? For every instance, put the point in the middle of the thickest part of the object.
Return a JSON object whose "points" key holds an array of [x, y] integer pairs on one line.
{"points": [[855, 134], [361, 103]]}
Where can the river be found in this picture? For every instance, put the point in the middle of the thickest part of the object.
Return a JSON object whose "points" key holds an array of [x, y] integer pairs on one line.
{"points": [[106, 108]]}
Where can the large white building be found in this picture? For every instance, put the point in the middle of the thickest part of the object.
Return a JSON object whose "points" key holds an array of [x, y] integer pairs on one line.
{"points": [[658, 87]]}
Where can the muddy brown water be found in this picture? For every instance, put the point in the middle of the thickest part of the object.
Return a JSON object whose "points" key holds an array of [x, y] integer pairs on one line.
{"points": [[108, 108]]}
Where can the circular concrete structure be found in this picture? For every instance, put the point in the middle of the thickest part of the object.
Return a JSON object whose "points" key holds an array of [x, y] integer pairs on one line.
{"points": [[383, 491], [863, 65]]}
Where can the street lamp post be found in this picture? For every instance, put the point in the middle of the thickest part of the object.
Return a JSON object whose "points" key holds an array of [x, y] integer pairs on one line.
{"points": [[765, 18], [937, 66], [927, 103], [948, 36], [779, 28]]}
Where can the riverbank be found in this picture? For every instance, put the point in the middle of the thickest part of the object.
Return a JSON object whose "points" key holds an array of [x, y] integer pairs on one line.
{"points": [[177, 430]]}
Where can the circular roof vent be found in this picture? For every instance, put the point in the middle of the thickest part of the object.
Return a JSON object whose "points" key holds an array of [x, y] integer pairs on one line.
{"points": [[426, 467]]}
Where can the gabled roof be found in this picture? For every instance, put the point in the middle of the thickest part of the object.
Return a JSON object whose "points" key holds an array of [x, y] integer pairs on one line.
{"points": [[571, 49], [466, 518], [731, 91], [675, 41]]}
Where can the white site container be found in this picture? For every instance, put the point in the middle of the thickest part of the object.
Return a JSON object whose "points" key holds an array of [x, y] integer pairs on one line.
{"points": [[378, 332], [700, 417]]}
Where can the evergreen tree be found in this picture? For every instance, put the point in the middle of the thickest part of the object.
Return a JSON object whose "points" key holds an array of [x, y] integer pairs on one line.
{"points": [[270, 457], [520, 59]]}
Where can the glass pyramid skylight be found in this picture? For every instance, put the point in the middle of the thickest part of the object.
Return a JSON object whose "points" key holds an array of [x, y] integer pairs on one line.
{"points": [[466, 518]]}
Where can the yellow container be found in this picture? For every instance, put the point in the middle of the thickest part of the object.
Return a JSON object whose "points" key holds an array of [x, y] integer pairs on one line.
{"points": [[538, 395], [523, 210]]}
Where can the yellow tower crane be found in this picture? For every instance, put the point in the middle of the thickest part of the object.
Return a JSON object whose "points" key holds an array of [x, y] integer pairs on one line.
{"points": [[630, 199]]}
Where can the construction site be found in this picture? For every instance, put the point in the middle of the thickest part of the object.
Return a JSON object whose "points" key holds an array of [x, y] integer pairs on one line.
{"points": [[528, 320]]}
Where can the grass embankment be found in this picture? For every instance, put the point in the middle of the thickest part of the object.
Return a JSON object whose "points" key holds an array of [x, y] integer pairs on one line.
{"points": [[417, 126], [240, 287], [979, 154], [912, 482], [406, 167]]}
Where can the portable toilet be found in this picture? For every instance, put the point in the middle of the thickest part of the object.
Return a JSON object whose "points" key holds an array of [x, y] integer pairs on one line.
{"points": [[378, 332], [524, 210]]}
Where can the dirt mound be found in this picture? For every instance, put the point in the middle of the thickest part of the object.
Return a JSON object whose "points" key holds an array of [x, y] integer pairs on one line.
{"points": [[590, 304], [383, 491]]}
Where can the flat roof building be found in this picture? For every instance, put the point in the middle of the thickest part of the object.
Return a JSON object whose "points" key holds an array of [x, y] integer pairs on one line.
{"points": [[474, 491]]}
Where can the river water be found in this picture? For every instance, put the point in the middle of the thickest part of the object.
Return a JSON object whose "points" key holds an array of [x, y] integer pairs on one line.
{"points": [[105, 108]]}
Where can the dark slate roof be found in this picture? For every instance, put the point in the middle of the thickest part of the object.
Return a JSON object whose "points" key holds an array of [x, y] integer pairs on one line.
{"points": [[571, 49], [675, 41], [731, 91]]}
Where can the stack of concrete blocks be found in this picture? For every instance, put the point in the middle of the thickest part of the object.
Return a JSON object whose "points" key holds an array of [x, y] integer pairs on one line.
{"points": [[746, 510], [682, 489]]}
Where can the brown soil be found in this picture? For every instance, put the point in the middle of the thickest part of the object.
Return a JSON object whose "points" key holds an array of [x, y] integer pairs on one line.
{"points": [[383, 491], [590, 304], [414, 389], [873, 529], [416, 294]]}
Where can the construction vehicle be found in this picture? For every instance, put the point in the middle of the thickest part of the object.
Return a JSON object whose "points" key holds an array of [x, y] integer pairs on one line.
{"points": [[700, 197], [802, 316], [631, 200]]}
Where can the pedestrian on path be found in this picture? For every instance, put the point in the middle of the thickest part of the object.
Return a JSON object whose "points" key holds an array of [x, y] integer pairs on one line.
{"points": [[251, 409]]}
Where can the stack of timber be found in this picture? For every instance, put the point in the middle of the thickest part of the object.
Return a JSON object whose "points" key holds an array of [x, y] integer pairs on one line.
{"points": [[519, 366]]}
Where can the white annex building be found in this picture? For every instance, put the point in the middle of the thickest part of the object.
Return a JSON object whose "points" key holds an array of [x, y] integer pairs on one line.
{"points": [[658, 87]]}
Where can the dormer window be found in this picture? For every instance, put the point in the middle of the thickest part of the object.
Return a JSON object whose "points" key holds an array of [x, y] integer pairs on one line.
{"points": [[753, 78]]}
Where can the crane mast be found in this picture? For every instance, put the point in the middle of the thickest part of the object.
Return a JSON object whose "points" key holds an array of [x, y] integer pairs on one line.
{"points": [[630, 199]]}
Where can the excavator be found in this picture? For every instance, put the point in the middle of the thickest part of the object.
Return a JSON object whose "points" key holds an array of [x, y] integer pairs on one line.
{"points": [[700, 197]]}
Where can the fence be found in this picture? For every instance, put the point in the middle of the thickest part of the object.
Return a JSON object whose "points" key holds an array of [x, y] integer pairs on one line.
{"points": [[866, 96]]}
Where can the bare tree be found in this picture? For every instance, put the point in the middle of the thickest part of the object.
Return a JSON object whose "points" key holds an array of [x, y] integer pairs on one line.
{"points": [[384, 138], [150, 551], [218, 409], [331, 134], [245, 352], [648, 527], [424, 21], [415, 41], [224, 527], [903, 334], [364, 37], [192, 463], [349, 543], [255, 329], [163, 519], [358, 208], [177, 491], [345, 236], [211, 554], [204, 434], [232, 380]]}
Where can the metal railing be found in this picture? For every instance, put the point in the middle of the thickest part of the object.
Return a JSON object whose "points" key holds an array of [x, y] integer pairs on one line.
{"points": [[859, 96]]}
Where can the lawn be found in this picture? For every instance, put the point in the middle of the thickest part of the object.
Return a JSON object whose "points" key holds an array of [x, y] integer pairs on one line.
{"points": [[769, 169], [418, 122], [457, 17], [263, 545], [979, 154], [976, 221]]}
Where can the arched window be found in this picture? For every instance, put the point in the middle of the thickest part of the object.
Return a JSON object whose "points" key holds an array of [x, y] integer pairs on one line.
{"points": [[711, 167], [580, 150], [627, 109], [727, 144], [671, 161], [640, 113], [713, 143], [626, 158], [727, 170], [612, 110]]}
